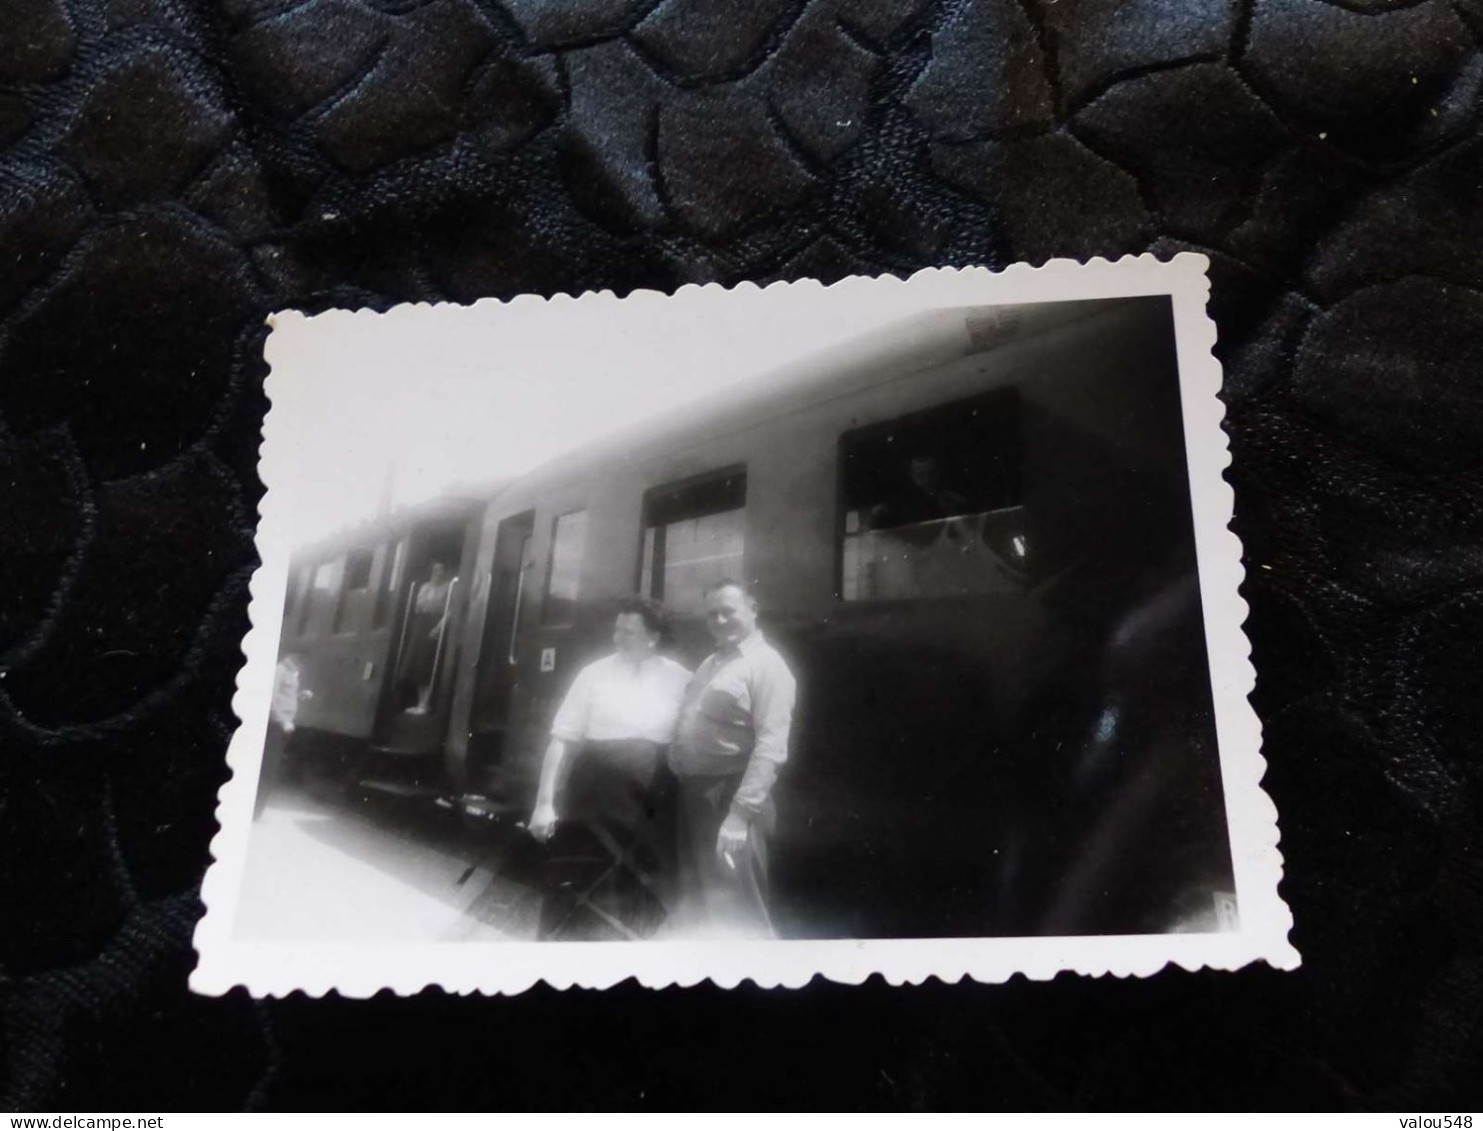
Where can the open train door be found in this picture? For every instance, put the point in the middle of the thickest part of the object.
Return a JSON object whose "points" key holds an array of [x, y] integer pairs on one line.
{"points": [[422, 663], [498, 674]]}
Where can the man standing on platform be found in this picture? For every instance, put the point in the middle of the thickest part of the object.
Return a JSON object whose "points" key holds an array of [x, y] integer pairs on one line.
{"points": [[732, 739]]}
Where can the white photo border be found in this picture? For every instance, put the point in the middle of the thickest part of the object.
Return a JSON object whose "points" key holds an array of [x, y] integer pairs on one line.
{"points": [[265, 969]]}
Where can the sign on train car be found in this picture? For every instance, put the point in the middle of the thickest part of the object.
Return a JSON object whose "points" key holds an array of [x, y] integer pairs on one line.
{"points": [[797, 630]]}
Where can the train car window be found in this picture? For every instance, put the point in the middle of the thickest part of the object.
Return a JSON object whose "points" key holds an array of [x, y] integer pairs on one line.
{"points": [[932, 503], [391, 584], [320, 598], [693, 537], [299, 602], [355, 591], [568, 538]]}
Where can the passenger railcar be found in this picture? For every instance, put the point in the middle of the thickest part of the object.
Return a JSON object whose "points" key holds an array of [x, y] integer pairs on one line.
{"points": [[970, 534]]}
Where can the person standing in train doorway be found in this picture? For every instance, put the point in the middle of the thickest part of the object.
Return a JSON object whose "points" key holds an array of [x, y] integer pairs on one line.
{"points": [[731, 741], [424, 637]]}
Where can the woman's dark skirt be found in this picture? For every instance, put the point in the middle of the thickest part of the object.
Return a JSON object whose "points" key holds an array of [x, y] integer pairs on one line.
{"points": [[608, 861]]}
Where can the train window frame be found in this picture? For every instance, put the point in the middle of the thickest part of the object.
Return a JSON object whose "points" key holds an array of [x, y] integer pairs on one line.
{"points": [[347, 619], [393, 565], [313, 613], [1004, 397], [297, 617], [549, 607], [665, 504]]}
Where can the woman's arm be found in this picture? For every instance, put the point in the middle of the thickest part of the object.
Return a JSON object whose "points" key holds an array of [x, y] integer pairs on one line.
{"points": [[544, 817], [567, 729]]}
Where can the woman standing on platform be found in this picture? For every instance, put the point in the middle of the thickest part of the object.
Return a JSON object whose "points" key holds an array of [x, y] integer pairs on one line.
{"points": [[607, 742]]}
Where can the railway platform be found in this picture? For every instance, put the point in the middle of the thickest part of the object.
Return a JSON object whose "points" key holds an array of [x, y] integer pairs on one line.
{"points": [[380, 872]]}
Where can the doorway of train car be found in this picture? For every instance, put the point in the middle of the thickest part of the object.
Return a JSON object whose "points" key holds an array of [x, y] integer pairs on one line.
{"points": [[417, 697], [498, 676]]}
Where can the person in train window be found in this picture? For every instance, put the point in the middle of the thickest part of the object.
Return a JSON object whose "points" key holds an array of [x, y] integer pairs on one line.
{"points": [[922, 495], [423, 637], [616, 719], [731, 741]]}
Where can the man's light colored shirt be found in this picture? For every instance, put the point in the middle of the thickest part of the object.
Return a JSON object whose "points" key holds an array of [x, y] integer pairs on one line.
{"points": [[613, 699], [736, 719]]}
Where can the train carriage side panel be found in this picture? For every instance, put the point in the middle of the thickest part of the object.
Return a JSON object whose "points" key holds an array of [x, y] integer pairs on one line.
{"points": [[935, 735], [339, 644]]}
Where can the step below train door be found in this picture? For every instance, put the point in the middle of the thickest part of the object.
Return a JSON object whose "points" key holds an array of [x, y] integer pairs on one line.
{"points": [[491, 722]]}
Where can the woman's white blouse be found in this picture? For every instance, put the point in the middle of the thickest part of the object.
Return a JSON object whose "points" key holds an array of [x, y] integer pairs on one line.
{"points": [[612, 699]]}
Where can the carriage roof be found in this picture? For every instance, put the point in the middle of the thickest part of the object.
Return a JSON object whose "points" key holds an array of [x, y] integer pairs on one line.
{"points": [[922, 341]]}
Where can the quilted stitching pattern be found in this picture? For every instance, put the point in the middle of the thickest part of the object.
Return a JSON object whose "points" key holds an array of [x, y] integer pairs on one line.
{"points": [[172, 170]]}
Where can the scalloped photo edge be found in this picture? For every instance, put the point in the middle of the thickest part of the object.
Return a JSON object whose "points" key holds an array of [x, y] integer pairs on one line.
{"points": [[296, 350]]}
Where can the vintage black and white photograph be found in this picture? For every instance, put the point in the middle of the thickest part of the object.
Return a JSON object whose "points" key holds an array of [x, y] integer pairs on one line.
{"points": [[887, 627]]}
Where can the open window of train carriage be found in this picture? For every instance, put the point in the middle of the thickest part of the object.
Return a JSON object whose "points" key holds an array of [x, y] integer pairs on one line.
{"points": [[296, 604], [355, 592], [314, 610], [694, 535], [932, 503], [568, 540]]}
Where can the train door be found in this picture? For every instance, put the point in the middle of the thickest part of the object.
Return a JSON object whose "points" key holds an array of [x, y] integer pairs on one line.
{"points": [[499, 652], [421, 663]]}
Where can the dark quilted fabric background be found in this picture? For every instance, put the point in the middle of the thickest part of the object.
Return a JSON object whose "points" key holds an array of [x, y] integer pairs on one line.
{"points": [[173, 170]]}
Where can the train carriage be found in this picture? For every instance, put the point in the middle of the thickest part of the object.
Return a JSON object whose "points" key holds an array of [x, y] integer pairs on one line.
{"points": [[349, 621], [970, 534]]}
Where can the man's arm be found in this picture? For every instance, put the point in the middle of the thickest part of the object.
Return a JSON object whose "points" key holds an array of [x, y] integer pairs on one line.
{"points": [[773, 696]]}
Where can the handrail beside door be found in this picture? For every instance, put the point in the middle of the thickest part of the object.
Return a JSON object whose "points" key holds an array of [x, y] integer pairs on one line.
{"points": [[442, 636]]}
